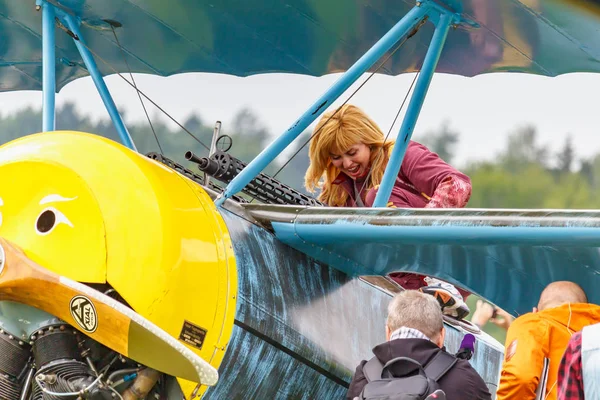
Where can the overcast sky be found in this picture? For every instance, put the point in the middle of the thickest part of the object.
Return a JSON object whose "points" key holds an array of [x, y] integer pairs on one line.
{"points": [[483, 109]]}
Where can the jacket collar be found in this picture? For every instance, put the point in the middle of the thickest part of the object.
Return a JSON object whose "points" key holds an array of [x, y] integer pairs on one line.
{"points": [[421, 350], [346, 183], [341, 178]]}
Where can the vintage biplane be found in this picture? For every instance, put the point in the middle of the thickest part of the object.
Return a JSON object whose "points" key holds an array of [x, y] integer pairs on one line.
{"points": [[126, 275]]}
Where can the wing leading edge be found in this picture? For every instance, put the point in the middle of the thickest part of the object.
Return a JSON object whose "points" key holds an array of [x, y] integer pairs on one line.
{"points": [[507, 256]]}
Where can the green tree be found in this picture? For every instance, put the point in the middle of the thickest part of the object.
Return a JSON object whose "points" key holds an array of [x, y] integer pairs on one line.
{"points": [[20, 123], [571, 191], [442, 141], [566, 156], [249, 133], [523, 149], [590, 171], [521, 178], [496, 187]]}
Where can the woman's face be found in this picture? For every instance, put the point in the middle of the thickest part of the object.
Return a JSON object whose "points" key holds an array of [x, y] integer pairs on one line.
{"points": [[355, 162]]}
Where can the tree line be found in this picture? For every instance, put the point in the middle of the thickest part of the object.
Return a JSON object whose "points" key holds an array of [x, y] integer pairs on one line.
{"points": [[524, 174], [249, 136]]}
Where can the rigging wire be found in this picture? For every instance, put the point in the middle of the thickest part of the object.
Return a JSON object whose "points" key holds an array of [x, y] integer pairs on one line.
{"points": [[70, 33], [353, 93], [136, 88], [390, 130], [141, 93], [411, 34]]}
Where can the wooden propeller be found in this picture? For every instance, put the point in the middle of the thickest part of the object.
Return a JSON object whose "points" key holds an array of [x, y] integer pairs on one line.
{"points": [[98, 316]]}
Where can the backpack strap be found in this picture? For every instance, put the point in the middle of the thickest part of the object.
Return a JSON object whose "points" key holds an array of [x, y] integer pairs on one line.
{"points": [[441, 363], [372, 369]]}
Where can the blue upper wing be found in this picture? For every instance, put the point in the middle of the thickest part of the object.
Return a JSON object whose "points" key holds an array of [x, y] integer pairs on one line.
{"points": [[314, 37]]}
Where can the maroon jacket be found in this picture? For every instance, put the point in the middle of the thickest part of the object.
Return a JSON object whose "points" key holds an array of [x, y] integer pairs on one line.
{"points": [[420, 175]]}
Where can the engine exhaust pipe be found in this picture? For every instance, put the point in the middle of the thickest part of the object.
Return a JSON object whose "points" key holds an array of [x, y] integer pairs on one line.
{"points": [[142, 385]]}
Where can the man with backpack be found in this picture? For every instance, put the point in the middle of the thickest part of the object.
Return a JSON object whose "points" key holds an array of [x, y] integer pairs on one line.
{"points": [[413, 364]]}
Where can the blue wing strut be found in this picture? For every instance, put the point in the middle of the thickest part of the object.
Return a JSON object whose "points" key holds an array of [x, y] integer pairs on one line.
{"points": [[442, 17]]}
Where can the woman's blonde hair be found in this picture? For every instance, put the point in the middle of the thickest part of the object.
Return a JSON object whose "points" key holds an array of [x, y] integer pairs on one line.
{"points": [[336, 133]]}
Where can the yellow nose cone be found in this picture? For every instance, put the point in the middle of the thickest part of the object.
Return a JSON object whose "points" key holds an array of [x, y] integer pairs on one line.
{"points": [[91, 210], [51, 213]]}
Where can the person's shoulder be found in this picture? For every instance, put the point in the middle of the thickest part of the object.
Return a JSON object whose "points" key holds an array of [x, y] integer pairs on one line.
{"points": [[589, 311], [359, 369], [416, 151], [358, 381], [527, 319], [416, 145], [534, 324]]}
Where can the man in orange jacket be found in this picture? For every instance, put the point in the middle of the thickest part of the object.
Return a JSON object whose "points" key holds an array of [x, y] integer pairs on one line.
{"points": [[562, 310]]}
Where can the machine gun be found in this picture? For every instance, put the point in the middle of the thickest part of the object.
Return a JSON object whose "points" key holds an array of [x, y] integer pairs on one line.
{"points": [[224, 167], [186, 172]]}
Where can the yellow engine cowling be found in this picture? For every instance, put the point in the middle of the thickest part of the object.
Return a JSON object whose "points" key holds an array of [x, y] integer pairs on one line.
{"points": [[94, 211]]}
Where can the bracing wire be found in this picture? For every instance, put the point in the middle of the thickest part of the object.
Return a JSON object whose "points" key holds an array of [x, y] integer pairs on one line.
{"points": [[140, 92], [316, 132], [353, 93], [390, 130], [136, 88]]}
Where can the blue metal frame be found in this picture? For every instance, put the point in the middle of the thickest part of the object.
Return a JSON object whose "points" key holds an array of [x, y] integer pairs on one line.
{"points": [[442, 17], [402, 28], [48, 67], [414, 108], [73, 25], [349, 233]]}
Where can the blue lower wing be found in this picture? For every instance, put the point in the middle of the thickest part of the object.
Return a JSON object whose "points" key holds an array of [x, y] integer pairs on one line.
{"points": [[507, 256]]}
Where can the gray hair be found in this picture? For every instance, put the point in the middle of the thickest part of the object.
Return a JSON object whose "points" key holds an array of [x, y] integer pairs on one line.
{"points": [[416, 310]]}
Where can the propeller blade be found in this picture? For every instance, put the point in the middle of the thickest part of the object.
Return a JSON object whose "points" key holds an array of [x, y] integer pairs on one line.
{"points": [[99, 316]]}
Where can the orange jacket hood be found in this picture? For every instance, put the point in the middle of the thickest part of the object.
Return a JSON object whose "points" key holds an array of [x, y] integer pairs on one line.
{"points": [[535, 336], [573, 316]]}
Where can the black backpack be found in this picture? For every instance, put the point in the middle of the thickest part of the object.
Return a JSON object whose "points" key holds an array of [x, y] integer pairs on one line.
{"points": [[414, 383]]}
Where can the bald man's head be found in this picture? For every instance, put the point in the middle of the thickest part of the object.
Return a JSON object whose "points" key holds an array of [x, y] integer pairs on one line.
{"points": [[562, 292]]}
